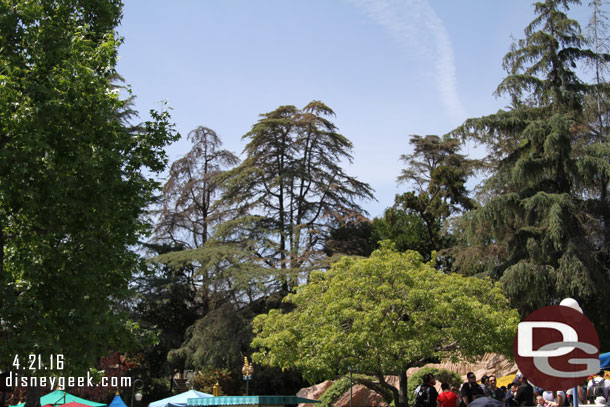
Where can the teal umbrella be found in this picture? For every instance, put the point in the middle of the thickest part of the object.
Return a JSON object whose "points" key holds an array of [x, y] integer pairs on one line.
{"points": [[59, 397]]}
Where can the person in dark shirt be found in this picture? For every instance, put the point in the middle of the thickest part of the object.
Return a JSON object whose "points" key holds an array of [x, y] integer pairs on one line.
{"points": [[525, 392], [428, 391], [493, 391], [510, 395], [485, 384], [469, 389]]}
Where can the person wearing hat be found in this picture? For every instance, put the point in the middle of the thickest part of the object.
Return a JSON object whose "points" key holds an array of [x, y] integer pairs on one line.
{"points": [[525, 392]]}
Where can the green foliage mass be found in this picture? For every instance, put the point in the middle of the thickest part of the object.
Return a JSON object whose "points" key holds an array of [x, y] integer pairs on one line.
{"points": [[384, 314], [337, 389], [205, 381], [289, 188], [73, 193], [419, 219], [540, 229]]}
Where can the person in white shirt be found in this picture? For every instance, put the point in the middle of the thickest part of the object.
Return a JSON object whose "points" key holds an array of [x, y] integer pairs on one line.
{"points": [[595, 382], [554, 398]]}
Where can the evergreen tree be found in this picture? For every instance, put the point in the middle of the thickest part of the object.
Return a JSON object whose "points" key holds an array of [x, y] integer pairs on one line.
{"points": [[190, 194], [534, 214], [289, 188], [418, 219], [593, 147]]}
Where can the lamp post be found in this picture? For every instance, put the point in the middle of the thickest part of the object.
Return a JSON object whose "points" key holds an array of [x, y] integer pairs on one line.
{"points": [[246, 372], [138, 384]]}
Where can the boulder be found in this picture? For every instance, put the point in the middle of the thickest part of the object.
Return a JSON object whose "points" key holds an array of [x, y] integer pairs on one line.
{"points": [[361, 397], [314, 392]]}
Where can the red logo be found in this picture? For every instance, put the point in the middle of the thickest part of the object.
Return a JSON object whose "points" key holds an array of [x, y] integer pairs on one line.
{"points": [[556, 348]]}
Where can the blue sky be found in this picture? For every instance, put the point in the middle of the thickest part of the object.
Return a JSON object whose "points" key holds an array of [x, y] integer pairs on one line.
{"points": [[388, 68]]}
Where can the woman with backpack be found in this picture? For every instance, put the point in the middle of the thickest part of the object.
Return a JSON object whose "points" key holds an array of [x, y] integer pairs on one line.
{"points": [[426, 394], [598, 386]]}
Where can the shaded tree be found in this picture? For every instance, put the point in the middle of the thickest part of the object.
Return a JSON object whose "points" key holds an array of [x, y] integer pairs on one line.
{"points": [[418, 220], [350, 235], [383, 314], [167, 302]]}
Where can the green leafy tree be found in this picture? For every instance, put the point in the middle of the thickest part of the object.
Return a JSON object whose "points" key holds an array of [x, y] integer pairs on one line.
{"points": [[418, 219], [383, 315], [168, 302], [350, 235], [406, 228], [289, 187], [73, 193], [536, 213]]}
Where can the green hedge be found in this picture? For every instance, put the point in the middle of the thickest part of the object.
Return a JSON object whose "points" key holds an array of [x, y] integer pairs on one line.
{"points": [[441, 375]]}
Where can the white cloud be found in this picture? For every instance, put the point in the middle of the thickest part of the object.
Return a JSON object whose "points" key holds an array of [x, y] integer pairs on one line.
{"points": [[416, 26]]}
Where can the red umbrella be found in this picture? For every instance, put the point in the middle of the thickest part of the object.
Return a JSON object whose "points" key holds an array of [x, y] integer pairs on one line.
{"points": [[74, 404]]}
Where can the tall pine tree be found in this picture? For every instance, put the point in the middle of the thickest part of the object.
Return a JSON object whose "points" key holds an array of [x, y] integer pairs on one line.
{"points": [[289, 188], [534, 222]]}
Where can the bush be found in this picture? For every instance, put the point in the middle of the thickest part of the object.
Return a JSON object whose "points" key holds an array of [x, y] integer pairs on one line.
{"points": [[205, 381], [337, 389], [441, 375]]}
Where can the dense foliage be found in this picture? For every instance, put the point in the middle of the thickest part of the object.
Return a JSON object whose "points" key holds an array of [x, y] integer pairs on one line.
{"points": [[543, 227], [279, 241], [73, 193], [383, 314]]}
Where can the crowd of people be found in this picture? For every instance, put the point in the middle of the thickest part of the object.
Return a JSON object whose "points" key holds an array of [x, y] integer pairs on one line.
{"points": [[519, 393]]}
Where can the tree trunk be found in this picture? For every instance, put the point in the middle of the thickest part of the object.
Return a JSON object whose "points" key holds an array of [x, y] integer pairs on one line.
{"points": [[3, 278], [403, 397]]}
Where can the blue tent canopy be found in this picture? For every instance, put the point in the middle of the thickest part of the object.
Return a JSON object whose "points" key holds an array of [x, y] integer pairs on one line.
{"points": [[604, 360], [117, 401], [256, 401], [179, 400]]}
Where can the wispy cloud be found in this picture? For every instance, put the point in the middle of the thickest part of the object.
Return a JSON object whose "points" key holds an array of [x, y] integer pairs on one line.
{"points": [[416, 26]]}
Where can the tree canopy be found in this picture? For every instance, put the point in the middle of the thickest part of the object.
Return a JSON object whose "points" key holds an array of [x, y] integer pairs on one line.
{"points": [[541, 222], [291, 185], [73, 189], [384, 314]]}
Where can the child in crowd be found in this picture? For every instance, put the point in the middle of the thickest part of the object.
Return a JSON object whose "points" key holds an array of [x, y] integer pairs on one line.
{"points": [[540, 401]]}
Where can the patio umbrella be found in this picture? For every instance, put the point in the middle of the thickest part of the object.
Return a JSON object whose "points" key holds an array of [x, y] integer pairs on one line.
{"points": [[604, 360], [117, 401], [179, 399], [59, 397]]}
